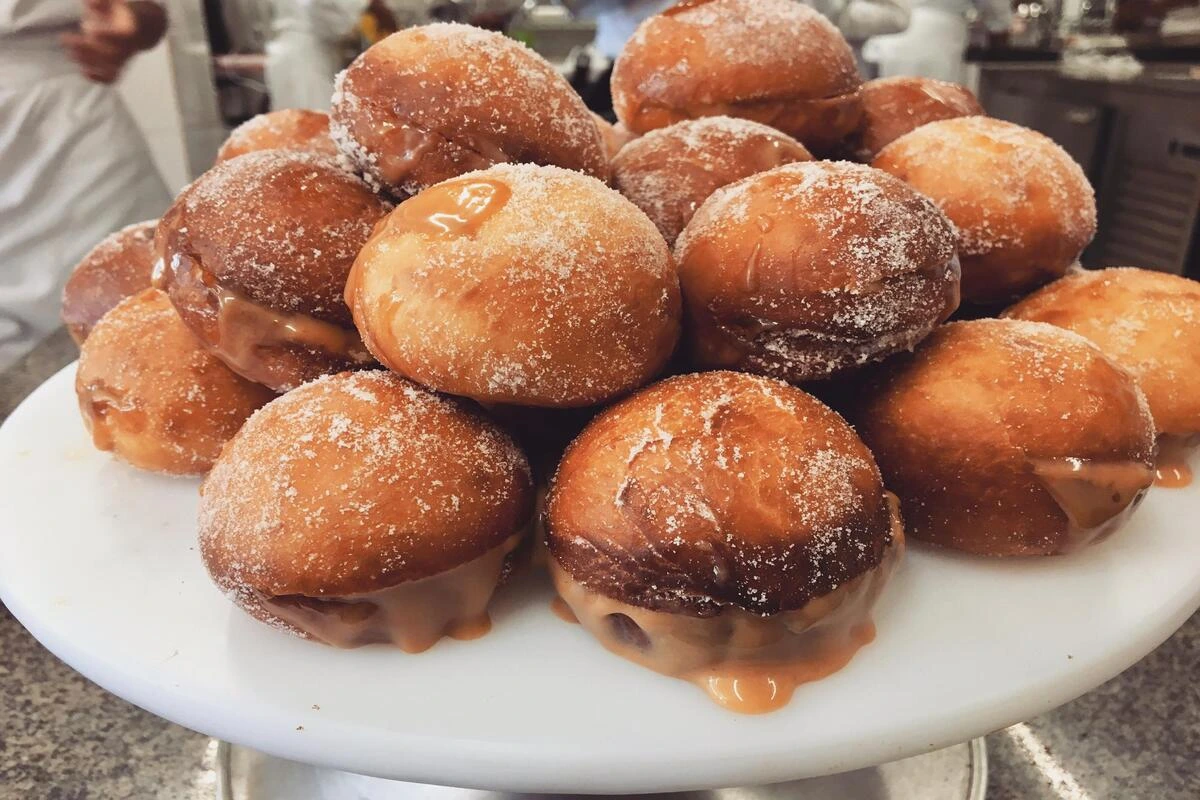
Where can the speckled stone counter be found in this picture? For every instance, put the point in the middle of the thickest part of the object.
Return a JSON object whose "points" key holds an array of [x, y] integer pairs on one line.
{"points": [[63, 738]]}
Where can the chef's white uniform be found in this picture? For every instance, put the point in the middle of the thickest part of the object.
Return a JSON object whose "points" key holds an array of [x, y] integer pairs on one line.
{"points": [[936, 39], [307, 45], [73, 168]]}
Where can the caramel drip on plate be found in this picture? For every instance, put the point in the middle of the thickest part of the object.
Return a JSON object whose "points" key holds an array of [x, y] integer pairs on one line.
{"points": [[457, 208], [745, 662], [1097, 497], [759, 688], [413, 616], [1172, 470]]}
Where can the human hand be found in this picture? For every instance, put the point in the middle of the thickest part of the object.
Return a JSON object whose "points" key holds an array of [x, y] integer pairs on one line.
{"points": [[108, 36]]}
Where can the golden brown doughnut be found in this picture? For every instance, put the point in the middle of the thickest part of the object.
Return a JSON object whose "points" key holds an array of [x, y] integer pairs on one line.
{"points": [[256, 253], [669, 172], [285, 129], [1008, 438], [117, 268], [152, 395], [813, 269], [361, 508], [614, 136], [430, 103], [723, 528], [1023, 208], [518, 284], [1149, 323], [778, 62], [894, 106]]}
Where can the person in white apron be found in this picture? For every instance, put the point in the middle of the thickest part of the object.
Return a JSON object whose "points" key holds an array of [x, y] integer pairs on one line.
{"points": [[308, 44], [73, 165], [936, 39]]}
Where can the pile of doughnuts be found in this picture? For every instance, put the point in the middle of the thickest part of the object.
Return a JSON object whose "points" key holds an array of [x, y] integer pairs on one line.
{"points": [[459, 326]]}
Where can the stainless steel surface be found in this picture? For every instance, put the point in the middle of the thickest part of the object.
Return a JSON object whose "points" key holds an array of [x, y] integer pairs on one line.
{"points": [[955, 773], [63, 738]]}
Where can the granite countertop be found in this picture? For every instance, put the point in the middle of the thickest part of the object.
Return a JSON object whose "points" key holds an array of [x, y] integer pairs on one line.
{"points": [[64, 738]]}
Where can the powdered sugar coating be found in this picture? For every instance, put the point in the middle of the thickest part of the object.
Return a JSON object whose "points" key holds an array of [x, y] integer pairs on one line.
{"points": [[894, 106], [150, 393], [279, 227], [738, 57], [979, 430], [811, 269], [354, 483], [1023, 208], [1147, 321], [670, 172], [565, 295], [435, 101], [118, 267], [717, 489], [284, 129]]}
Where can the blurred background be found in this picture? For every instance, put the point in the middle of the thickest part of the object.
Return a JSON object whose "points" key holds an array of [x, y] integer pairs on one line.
{"points": [[1115, 82]]}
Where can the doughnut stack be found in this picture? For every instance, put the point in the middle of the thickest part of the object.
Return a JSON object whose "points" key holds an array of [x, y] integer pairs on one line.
{"points": [[460, 322]]}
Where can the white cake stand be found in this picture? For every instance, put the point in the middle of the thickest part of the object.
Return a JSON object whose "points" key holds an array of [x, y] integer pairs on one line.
{"points": [[99, 562]]}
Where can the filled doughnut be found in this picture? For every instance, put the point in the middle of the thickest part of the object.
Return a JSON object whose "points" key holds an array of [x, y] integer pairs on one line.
{"points": [[813, 269], [518, 284], [1149, 323], [285, 129], [118, 267], [362, 509], [1023, 208], [894, 106], [433, 102], [1009, 438], [255, 256], [153, 396], [614, 136], [777, 62], [726, 529], [670, 172]]}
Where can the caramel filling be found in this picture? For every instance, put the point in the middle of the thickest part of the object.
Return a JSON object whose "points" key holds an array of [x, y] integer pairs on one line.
{"points": [[747, 663], [1097, 497], [452, 209], [1172, 470], [244, 327], [413, 616], [399, 148], [99, 404]]}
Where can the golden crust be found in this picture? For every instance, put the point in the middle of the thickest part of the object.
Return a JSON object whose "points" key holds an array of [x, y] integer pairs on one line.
{"points": [[670, 172], [151, 394], [1023, 208], [614, 136], [285, 129], [1146, 321], [433, 102], [357, 482], [713, 490], [811, 270], [277, 232], [773, 61], [519, 284], [961, 427], [894, 106], [116, 268]]}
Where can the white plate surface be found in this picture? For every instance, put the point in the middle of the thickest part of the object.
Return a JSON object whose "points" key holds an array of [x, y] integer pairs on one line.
{"points": [[99, 562]]}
